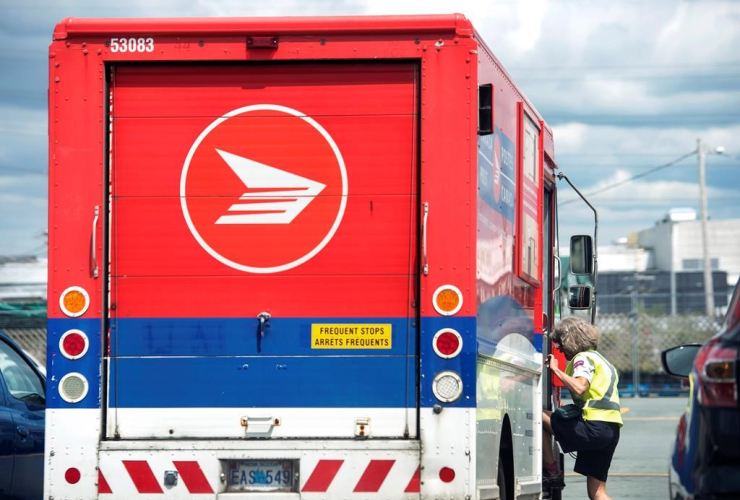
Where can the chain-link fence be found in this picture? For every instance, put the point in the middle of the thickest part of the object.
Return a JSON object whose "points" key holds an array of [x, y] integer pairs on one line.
{"points": [[29, 332], [637, 327]]}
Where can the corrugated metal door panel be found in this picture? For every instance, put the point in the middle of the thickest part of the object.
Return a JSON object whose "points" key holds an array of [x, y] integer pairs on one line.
{"points": [[367, 242], [359, 136], [314, 89], [287, 189]]}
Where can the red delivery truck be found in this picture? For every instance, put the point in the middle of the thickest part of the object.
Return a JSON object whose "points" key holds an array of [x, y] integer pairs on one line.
{"points": [[295, 258]]}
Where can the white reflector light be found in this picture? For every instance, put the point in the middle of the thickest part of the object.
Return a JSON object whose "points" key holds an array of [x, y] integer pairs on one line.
{"points": [[73, 387], [447, 386]]}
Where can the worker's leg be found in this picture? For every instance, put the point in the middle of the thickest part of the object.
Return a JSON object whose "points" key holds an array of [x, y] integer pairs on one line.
{"points": [[546, 421], [596, 489], [547, 433]]}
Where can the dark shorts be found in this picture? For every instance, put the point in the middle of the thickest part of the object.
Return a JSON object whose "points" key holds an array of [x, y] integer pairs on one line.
{"points": [[594, 441]]}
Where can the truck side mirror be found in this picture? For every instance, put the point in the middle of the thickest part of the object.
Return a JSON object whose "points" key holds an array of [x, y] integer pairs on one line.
{"points": [[678, 361], [581, 255], [579, 297]]}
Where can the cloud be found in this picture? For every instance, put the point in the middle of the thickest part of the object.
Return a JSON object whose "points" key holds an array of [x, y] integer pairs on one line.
{"points": [[580, 138], [626, 85]]}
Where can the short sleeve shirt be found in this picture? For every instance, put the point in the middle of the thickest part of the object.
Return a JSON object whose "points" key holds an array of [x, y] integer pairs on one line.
{"points": [[583, 367]]}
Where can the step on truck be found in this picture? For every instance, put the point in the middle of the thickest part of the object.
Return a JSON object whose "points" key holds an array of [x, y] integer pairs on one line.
{"points": [[295, 258]]}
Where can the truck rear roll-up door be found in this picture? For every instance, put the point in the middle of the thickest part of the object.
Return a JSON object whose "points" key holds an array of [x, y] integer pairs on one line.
{"points": [[238, 190]]}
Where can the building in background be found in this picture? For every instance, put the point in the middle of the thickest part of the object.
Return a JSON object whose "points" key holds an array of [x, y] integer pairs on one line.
{"points": [[663, 265], [618, 291], [675, 244]]}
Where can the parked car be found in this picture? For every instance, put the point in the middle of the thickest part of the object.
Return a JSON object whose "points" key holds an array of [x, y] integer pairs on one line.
{"points": [[22, 405], [706, 454]]}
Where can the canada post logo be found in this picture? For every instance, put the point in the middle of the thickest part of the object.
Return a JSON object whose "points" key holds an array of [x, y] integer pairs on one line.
{"points": [[263, 188]]}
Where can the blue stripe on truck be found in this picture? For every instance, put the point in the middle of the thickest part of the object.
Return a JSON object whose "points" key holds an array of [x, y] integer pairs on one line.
{"points": [[220, 362], [241, 337], [272, 382]]}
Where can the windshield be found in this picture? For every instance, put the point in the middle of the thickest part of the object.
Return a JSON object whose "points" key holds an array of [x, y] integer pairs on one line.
{"points": [[20, 378]]}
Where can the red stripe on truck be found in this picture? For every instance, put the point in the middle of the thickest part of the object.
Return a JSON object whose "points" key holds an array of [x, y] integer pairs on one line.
{"points": [[415, 483], [374, 475], [103, 486], [142, 476], [322, 476], [193, 477]]}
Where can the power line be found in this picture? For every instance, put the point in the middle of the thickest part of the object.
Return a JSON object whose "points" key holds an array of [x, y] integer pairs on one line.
{"points": [[674, 77], [716, 64], [665, 155], [628, 166], [644, 200], [634, 177]]}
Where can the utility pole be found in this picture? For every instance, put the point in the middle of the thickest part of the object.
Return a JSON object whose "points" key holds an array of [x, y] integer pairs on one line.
{"points": [[708, 286]]}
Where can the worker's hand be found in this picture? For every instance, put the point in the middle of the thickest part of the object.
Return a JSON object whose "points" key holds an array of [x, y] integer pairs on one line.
{"points": [[552, 362]]}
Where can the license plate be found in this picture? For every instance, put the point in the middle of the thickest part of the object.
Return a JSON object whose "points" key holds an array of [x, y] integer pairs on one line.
{"points": [[260, 475]]}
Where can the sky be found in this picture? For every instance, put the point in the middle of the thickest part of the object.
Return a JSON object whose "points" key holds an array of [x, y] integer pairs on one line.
{"points": [[627, 86]]}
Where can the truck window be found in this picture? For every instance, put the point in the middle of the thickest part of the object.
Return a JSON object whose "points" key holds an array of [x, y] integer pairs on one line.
{"points": [[530, 200]]}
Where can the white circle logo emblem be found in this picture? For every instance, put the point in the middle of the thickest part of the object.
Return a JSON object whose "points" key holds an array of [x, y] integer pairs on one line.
{"points": [[263, 188]]}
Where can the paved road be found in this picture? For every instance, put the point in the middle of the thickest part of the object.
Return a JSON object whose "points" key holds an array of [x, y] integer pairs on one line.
{"points": [[639, 469]]}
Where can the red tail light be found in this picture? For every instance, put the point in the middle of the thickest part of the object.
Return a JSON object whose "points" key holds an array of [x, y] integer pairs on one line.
{"points": [[717, 367], [681, 438], [73, 344], [447, 343]]}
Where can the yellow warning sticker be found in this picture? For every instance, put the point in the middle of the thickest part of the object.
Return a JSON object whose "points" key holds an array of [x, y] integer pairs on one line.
{"points": [[348, 336]]}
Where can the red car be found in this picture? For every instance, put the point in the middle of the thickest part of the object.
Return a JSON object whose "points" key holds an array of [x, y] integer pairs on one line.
{"points": [[706, 454]]}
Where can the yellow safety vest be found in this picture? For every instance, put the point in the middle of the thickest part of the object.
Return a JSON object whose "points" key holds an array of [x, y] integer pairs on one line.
{"points": [[601, 400]]}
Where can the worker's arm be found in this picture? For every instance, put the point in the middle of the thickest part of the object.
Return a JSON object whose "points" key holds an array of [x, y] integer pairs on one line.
{"points": [[576, 385]]}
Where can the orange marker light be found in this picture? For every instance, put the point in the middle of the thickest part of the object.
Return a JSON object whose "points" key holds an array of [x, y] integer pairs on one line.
{"points": [[447, 300], [74, 301]]}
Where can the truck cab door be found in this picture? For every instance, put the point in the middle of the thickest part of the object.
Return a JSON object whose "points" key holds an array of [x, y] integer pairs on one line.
{"points": [[25, 402]]}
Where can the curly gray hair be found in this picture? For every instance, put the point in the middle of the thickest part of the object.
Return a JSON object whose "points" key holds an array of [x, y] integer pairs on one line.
{"points": [[575, 335]]}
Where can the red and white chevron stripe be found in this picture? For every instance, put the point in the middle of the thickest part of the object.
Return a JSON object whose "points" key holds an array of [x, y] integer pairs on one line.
{"points": [[320, 479], [144, 480], [371, 480]]}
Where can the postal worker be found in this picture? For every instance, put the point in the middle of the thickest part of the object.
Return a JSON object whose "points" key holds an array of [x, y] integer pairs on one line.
{"points": [[590, 427]]}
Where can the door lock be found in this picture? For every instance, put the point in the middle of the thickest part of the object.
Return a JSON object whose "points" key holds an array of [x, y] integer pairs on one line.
{"points": [[264, 318]]}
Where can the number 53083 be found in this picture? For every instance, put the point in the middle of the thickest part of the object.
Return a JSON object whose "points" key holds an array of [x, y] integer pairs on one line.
{"points": [[132, 44]]}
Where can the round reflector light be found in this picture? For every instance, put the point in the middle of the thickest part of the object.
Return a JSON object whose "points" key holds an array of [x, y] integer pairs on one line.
{"points": [[73, 344], [73, 387], [72, 475], [447, 343], [447, 300], [447, 386], [74, 301], [446, 475]]}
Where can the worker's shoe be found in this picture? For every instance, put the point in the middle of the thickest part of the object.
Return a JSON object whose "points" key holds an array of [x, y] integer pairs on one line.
{"points": [[552, 477]]}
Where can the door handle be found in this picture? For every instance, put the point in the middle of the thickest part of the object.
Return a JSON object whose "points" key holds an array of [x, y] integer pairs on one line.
{"points": [[93, 249], [424, 238], [22, 431]]}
